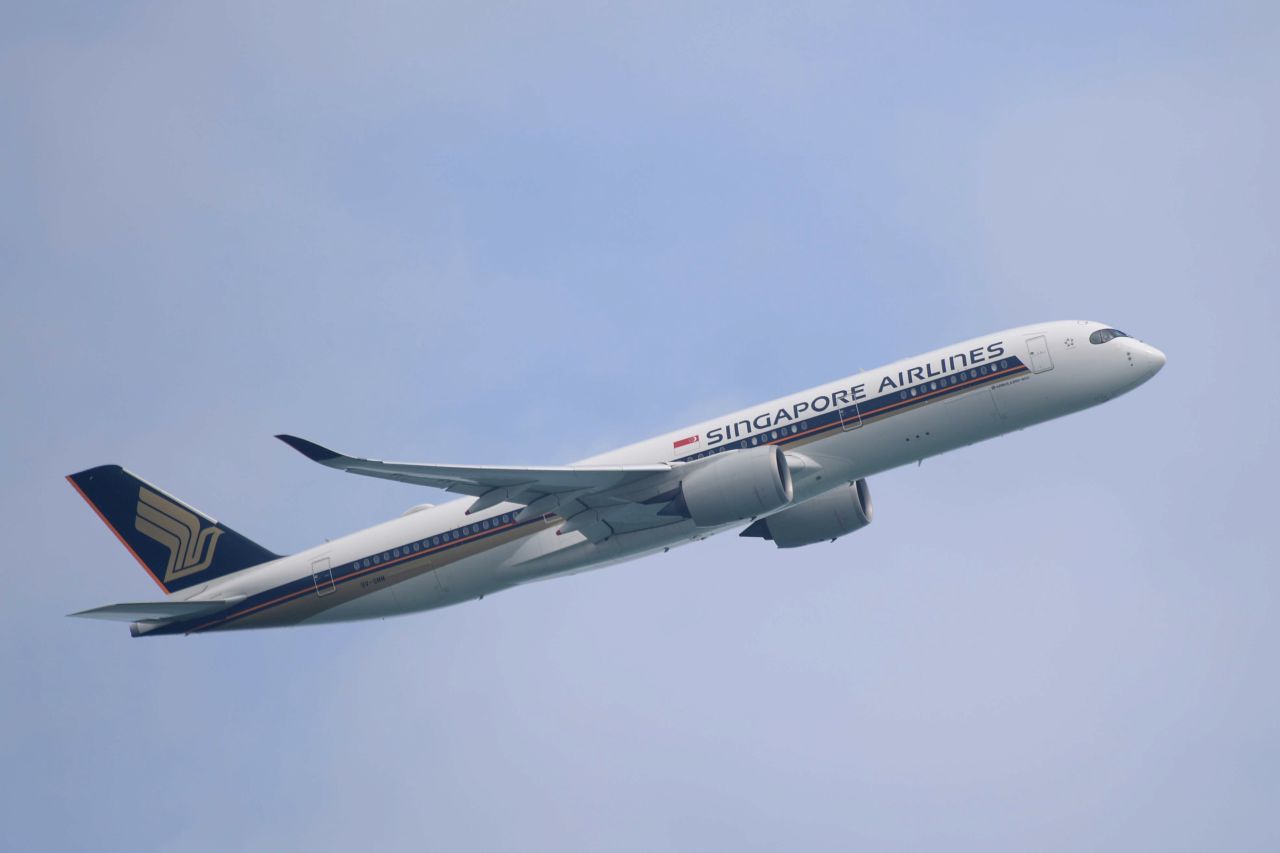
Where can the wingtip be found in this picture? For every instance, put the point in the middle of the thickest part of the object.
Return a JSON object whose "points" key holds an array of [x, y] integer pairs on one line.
{"points": [[309, 449]]}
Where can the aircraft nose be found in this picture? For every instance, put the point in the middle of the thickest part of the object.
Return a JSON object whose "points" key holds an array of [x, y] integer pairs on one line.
{"points": [[1147, 359]]}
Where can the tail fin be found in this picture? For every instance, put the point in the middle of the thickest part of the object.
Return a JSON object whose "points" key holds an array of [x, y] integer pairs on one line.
{"points": [[177, 545]]}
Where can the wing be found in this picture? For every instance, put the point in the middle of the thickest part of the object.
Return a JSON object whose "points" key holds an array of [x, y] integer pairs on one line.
{"points": [[583, 495]]}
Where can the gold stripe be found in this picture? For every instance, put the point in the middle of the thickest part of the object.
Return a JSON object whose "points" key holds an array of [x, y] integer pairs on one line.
{"points": [[161, 535]]}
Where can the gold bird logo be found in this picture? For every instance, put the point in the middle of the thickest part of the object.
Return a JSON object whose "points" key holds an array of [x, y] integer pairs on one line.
{"points": [[179, 530]]}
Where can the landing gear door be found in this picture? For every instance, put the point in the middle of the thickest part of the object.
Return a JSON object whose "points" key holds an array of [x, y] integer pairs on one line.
{"points": [[1038, 351]]}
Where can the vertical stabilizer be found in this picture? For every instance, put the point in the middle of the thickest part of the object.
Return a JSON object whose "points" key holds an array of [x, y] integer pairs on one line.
{"points": [[177, 545]]}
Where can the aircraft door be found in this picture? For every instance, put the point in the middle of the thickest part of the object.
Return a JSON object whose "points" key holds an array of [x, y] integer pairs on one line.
{"points": [[322, 575], [1038, 350], [850, 417]]}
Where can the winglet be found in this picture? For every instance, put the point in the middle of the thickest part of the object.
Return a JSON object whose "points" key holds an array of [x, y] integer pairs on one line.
{"points": [[309, 449]]}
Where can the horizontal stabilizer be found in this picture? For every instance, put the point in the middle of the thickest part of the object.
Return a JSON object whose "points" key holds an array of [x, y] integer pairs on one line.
{"points": [[146, 611]]}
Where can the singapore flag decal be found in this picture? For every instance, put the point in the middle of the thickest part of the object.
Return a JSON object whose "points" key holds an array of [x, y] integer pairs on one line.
{"points": [[684, 442]]}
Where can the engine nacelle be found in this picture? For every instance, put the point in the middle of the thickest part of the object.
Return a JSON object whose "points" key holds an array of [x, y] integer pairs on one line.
{"points": [[829, 516], [737, 486]]}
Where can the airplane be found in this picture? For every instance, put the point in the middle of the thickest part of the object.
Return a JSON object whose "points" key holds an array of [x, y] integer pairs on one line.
{"points": [[792, 471]]}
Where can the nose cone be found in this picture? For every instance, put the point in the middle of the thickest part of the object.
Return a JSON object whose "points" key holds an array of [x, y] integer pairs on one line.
{"points": [[1157, 360], [1147, 360]]}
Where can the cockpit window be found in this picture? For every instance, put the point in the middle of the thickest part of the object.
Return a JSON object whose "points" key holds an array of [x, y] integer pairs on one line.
{"points": [[1103, 335]]}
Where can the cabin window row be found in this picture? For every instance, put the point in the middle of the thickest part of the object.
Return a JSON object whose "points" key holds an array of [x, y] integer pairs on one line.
{"points": [[773, 435], [415, 547], [962, 376]]}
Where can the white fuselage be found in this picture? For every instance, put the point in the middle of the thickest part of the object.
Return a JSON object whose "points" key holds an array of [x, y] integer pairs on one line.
{"points": [[1061, 372]]}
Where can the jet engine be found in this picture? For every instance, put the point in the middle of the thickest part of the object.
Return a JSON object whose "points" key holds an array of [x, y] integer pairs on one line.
{"points": [[828, 516], [737, 486]]}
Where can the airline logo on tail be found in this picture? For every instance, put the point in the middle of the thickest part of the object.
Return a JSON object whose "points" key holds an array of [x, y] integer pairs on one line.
{"points": [[179, 530]]}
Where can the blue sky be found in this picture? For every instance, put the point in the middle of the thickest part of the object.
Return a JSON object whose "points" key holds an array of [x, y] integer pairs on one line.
{"points": [[526, 234]]}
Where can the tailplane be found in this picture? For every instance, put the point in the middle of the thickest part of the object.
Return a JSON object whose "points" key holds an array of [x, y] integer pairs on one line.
{"points": [[179, 546]]}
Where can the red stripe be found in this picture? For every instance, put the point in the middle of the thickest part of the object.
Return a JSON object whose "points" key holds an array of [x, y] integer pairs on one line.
{"points": [[112, 528]]}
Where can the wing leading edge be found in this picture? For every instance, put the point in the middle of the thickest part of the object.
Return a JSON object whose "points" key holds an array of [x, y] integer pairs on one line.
{"points": [[566, 491]]}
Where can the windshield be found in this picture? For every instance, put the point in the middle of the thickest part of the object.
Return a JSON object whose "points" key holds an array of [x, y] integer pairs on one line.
{"points": [[1103, 335]]}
